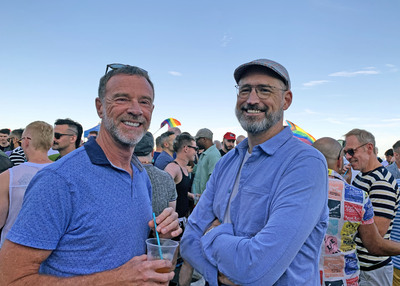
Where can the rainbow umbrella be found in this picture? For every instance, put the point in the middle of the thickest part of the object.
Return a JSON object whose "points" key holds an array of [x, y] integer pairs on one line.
{"points": [[172, 122], [300, 134]]}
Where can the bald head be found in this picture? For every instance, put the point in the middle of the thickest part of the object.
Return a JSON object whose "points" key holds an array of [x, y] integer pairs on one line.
{"points": [[330, 148]]}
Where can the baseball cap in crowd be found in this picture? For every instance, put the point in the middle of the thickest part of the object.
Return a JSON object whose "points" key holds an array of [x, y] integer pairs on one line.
{"points": [[145, 146], [229, 136], [278, 69], [204, 132]]}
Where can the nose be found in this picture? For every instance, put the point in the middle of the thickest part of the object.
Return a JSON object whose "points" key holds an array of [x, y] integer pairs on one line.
{"points": [[253, 97], [135, 108]]}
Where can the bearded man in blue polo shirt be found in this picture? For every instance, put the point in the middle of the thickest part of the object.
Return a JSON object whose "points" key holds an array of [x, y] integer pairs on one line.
{"points": [[85, 219], [263, 215]]}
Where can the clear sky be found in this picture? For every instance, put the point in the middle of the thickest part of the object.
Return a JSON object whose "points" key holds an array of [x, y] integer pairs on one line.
{"points": [[343, 58]]}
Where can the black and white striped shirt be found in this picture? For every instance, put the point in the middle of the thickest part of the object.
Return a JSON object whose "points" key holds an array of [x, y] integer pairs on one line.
{"points": [[384, 194]]}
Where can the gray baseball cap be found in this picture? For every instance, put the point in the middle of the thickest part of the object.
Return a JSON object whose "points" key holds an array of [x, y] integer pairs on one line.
{"points": [[204, 132], [271, 65]]}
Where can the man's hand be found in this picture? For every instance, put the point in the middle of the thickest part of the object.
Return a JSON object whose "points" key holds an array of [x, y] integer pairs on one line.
{"points": [[167, 224], [139, 271], [215, 223], [224, 280]]}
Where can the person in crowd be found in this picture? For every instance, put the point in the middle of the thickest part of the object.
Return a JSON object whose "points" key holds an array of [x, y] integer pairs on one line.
{"points": [[5, 162], [239, 139], [207, 160], [97, 213], [167, 145], [4, 142], [186, 150], [350, 211], [158, 150], [388, 157], [394, 167], [176, 130], [383, 192], [218, 144], [264, 213], [228, 143], [36, 140], [163, 187], [17, 155], [93, 133], [67, 137]]}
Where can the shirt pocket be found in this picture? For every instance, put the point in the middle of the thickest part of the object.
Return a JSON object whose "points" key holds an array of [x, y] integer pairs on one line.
{"points": [[250, 210]]}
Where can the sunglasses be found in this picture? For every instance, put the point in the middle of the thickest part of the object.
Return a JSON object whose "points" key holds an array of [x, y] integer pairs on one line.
{"points": [[59, 135], [352, 151], [194, 147], [120, 66]]}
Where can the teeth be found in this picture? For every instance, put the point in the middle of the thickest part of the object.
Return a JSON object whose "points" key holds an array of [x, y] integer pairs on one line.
{"points": [[134, 124], [253, 111]]}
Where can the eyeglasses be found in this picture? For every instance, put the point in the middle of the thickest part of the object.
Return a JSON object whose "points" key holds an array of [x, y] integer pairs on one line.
{"points": [[194, 147], [263, 91], [23, 138], [120, 66], [352, 151], [59, 135]]}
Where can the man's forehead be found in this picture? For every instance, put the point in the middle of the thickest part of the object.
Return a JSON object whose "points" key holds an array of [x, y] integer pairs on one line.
{"points": [[127, 81], [351, 140]]}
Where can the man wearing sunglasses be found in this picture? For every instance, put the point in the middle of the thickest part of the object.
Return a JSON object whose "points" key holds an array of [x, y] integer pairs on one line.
{"points": [[384, 195], [263, 215], [350, 212], [86, 217], [67, 137]]}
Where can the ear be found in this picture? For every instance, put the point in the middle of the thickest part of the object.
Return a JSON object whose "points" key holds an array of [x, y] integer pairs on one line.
{"points": [[99, 107], [339, 163], [287, 99]]}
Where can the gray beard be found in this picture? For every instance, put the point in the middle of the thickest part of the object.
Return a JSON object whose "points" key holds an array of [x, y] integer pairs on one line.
{"points": [[256, 127], [117, 135]]}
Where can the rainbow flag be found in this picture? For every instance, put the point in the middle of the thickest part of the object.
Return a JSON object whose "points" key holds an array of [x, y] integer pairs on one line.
{"points": [[300, 134], [172, 122]]}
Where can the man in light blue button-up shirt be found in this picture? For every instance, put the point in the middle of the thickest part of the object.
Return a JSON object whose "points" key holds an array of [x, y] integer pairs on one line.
{"points": [[263, 215]]}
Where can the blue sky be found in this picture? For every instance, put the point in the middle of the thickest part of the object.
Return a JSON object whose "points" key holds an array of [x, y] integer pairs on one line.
{"points": [[342, 57]]}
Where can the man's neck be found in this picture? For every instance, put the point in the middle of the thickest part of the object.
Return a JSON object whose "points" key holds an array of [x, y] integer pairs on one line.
{"points": [[257, 139], [169, 152], [118, 154], [38, 157], [373, 163], [65, 151]]}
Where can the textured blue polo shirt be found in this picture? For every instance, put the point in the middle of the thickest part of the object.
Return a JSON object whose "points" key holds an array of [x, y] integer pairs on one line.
{"points": [[91, 214]]}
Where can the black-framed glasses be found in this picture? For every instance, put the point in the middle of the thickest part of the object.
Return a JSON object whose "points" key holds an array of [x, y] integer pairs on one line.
{"points": [[340, 153], [194, 147], [263, 91], [352, 151], [59, 135], [120, 66]]}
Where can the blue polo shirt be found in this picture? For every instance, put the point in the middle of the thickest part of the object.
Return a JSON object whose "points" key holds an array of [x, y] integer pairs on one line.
{"points": [[92, 215]]}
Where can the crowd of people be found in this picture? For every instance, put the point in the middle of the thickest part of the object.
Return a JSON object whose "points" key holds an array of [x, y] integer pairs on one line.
{"points": [[260, 209]]}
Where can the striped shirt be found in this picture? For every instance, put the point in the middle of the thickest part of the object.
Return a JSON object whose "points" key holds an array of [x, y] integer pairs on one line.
{"points": [[384, 195], [395, 235], [17, 156]]}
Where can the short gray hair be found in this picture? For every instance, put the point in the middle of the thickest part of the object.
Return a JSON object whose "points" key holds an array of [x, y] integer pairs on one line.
{"points": [[128, 70], [363, 136]]}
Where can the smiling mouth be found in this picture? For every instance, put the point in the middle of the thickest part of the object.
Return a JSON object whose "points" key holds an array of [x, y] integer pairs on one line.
{"points": [[133, 124]]}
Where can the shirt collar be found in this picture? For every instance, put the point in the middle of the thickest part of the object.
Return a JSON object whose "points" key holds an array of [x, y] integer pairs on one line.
{"points": [[97, 156], [334, 174], [270, 146]]}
